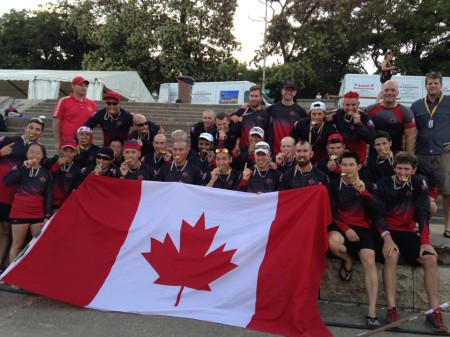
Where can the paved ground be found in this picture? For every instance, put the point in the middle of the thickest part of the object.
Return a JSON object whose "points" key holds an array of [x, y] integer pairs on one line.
{"points": [[27, 315]]}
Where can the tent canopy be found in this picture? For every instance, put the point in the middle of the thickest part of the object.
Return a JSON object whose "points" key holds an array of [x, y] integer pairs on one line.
{"points": [[53, 84]]}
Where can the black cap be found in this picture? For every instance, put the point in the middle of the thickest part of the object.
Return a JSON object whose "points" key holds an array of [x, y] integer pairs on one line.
{"points": [[290, 84], [107, 151]]}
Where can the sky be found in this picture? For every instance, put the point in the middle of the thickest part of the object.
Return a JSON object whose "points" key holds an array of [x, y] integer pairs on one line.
{"points": [[247, 11]]}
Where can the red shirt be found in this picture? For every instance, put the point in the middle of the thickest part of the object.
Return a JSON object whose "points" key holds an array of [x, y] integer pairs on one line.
{"points": [[73, 114]]}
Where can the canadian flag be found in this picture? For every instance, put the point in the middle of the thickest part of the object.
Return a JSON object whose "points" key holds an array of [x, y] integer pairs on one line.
{"points": [[253, 261]]}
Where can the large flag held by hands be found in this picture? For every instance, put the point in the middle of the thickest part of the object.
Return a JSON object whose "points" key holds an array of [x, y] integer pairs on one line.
{"points": [[254, 261]]}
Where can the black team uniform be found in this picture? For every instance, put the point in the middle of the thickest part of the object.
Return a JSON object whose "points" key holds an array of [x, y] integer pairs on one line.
{"points": [[154, 161], [251, 118], [203, 163], [112, 172], [353, 210], [285, 165], [234, 132], [302, 130], [356, 136], [376, 169], [402, 205], [294, 178], [188, 174], [86, 155], [147, 142], [229, 181], [144, 172], [322, 165], [282, 120], [33, 199], [196, 130], [65, 178], [261, 182], [118, 126]]}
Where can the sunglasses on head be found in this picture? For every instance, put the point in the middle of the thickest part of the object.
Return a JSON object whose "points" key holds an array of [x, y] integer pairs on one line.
{"points": [[224, 150], [141, 124], [114, 103], [100, 157], [262, 147]]}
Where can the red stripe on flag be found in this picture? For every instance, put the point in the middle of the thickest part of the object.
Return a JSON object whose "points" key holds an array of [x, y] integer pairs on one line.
{"points": [[75, 254], [290, 274]]}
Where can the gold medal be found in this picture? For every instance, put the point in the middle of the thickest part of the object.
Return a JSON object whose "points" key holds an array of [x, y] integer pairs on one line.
{"points": [[333, 157]]}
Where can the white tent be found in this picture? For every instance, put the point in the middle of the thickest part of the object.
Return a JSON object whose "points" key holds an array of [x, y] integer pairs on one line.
{"points": [[52, 84]]}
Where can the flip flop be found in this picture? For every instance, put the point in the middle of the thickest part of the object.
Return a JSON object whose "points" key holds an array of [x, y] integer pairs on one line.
{"points": [[372, 321], [344, 274], [447, 234]]}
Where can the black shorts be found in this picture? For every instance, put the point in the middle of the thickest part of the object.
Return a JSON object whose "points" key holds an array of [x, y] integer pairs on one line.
{"points": [[409, 245], [366, 240], [26, 221], [4, 212]]}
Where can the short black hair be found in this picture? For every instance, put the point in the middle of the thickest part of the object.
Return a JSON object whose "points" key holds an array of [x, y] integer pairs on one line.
{"points": [[221, 115], [350, 155], [116, 139], [382, 134]]}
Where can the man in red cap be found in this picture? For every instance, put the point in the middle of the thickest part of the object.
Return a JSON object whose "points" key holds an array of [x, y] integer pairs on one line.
{"points": [[114, 120], [330, 164], [72, 111]]}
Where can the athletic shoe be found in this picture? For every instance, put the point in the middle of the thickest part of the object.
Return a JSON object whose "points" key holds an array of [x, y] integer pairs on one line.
{"points": [[435, 323], [392, 315]]}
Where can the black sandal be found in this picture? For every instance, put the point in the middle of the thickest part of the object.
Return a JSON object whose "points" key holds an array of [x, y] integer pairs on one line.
{"points": [[372, 321], [447, 234], [344, 274]]}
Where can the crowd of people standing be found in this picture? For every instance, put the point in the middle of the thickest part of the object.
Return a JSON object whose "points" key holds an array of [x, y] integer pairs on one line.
{"points": [[383, 166]]}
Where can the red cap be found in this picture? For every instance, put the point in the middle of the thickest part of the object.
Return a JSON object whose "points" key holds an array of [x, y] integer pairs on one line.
{"points": [[69, 143], [335, 138], [111, 95], [131, 144], [79, 80]]}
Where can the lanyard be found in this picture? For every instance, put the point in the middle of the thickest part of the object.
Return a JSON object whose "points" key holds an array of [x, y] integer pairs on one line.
{"points": [[431, 113], [318, 133]]}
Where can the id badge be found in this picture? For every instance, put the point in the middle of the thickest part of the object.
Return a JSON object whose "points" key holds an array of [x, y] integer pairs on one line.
{"points": [[430, 124]]}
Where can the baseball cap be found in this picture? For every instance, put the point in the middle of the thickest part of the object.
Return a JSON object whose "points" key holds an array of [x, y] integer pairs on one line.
{"points": [[69, 143], [111, 95], [290, 84], [318, 105], [131, 144], [256, 130], [335, 138], [262, 147], [37, 121], [207, 136], [84, 129], [107, 151], [79, 80]]}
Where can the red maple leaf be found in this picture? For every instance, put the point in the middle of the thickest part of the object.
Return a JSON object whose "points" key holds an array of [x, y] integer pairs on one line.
{"points": [[190, 267]]}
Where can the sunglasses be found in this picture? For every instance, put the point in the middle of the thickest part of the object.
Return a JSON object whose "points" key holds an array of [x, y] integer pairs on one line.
{"points": [[141, 124], [100, 157], [112, 103], [262, 147], [224, 150]]}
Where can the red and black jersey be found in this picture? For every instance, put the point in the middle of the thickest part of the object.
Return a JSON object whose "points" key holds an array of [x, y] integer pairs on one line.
{"points": [[322, 165], [294, 178], [196, 130], [392, 120], [234, 132], [402, 205], [188, 174], [17, 157], [251, 118], [228, 181], [302, 130], [118, 126], [64, 179], [144, 172], [349, 207], [154, 161], [33, 199], [261, 182], [86, 157], [147, 141], [356, 136], [286, 165], [282, 120]]}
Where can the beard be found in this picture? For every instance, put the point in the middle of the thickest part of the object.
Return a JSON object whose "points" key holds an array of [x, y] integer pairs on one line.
{"points": [[303, 162]]}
